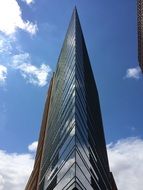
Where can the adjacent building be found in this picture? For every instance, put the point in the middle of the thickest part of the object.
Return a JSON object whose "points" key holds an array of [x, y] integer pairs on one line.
{"points": [[72, 153], [140, 32]]}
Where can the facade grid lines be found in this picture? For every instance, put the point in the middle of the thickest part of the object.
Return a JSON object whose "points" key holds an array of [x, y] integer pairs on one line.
{"points": [[140, 32], [73, 154]]}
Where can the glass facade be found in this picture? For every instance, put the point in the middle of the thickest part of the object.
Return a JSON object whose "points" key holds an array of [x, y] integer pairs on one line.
{"points": [[74, 150], [140, 32]]}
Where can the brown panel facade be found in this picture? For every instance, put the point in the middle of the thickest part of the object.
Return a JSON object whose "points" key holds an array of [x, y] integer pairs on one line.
{"points": [[33, 180]]}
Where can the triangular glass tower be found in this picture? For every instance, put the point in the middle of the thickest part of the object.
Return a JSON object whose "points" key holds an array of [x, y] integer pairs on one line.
{"points": [[72, 152]]}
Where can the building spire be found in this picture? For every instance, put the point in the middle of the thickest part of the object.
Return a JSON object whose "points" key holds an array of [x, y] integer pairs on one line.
{"points": [[72, 150], [75, 12], [75, 9]]}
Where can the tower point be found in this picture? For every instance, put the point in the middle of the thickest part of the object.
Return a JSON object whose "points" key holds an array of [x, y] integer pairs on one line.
{"points": [[71, 153]]}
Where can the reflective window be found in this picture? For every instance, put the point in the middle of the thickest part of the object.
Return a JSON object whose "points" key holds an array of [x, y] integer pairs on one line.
{"points": [[66, 166], [66, 179], [82, 164], [82, 178], [68, 143]]}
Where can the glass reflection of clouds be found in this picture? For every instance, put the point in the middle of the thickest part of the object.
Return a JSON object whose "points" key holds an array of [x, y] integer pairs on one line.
{"points": [[75, 151]]}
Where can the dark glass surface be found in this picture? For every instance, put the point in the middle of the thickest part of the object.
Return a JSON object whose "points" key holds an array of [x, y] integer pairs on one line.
{"points": [[75, 155]]}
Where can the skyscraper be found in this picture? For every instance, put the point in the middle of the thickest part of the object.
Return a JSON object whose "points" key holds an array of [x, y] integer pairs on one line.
{"points": [[140, 32], [72, 152]]}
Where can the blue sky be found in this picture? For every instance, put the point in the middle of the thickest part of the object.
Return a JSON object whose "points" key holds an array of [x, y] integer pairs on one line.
{"points": [[31, 37]]}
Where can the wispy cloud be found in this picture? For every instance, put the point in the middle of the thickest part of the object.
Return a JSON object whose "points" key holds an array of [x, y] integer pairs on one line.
{"points": [[33, 146], [22, 62], [3, 74], [31, 73], [11, 18], [28, 2], [5, 45], [134, 73], [126, 158]]}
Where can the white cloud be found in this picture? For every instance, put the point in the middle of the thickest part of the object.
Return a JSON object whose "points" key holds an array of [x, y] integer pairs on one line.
{"points": [[2, 181], [125, 157], [14, 170], [126, 161], [31, 28], [11, 18], [33, 147], [31, 73], [19, 59], [134, 73], [5, 45], [3, 74], [28, 2]]}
